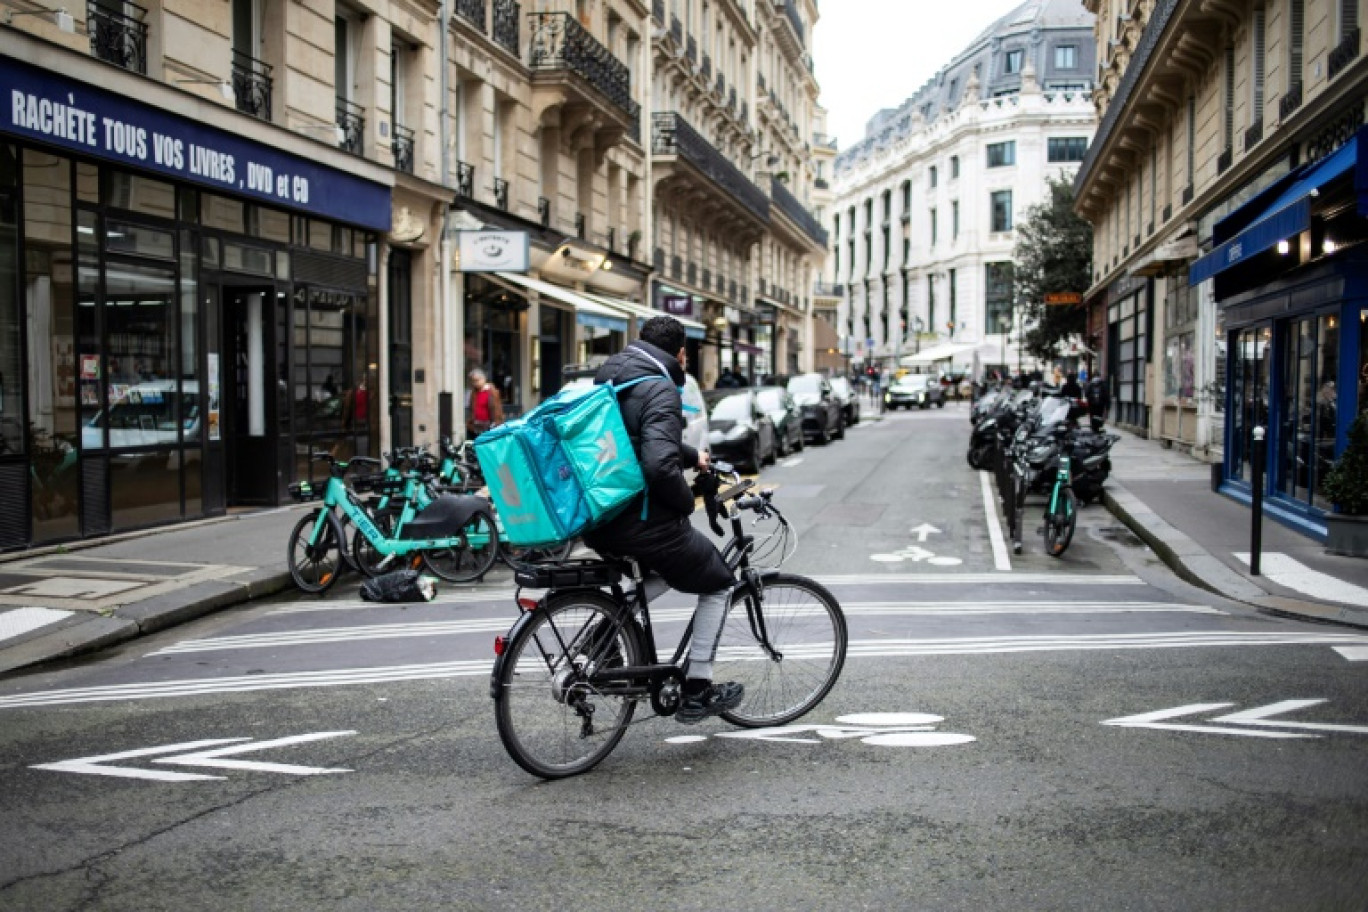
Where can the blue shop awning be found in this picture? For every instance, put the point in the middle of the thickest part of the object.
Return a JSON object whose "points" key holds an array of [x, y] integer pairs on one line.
{"points": [[1285, 216]]}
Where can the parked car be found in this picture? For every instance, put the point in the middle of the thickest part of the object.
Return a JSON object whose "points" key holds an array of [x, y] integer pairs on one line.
{"points": [[739, 431], [920, 390], [821, 410], [695, 407], [787, 418], [849, 399]]}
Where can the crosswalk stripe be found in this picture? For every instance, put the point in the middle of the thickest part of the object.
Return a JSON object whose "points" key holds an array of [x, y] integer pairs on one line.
{"points": [[857, 649], [325, 635]]}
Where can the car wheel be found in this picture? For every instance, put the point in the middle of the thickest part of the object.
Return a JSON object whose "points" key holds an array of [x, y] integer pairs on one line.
{"points": [[940, 404], [840, 428], [780, 446], [801, 444], [773, 456], [753, 464]]}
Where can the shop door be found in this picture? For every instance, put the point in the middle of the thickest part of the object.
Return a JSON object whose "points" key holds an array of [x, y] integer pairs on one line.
{"points": [[251, 375], [401, 348]]}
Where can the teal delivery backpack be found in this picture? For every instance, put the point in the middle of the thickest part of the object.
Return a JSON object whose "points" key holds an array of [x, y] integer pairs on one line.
{"points": [[562, 468]]}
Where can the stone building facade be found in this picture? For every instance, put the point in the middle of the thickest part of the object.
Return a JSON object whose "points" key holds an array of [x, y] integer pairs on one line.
{"points": [[927, 203]]}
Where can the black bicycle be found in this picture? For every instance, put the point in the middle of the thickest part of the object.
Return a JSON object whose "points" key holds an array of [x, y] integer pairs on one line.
{"points": [[570, 672]]}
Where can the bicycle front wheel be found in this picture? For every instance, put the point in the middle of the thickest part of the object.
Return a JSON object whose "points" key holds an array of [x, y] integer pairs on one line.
{"points": [[806, 633], [472, 556], [1059, 525], [550, 720], [315, 567]]}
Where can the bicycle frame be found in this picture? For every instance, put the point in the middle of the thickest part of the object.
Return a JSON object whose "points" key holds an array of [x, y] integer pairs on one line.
{"points": [[338, 496], [1062, 481]]}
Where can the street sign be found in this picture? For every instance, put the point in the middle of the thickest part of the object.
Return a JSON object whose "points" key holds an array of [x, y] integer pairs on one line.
{"points": [[1053, 298]]}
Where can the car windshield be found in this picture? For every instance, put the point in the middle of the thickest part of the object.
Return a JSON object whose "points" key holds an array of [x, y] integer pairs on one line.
{"points": [[808, 383], [914, 382], [771, 400], [730, 408]]}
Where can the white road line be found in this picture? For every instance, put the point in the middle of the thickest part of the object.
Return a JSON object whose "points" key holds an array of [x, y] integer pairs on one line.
{"points": [[1353, 653], [473, 598], [22, 620], [1000, 559], [975, 579], [793, 463], [328, 635], [1292, 573], [858, 649]]}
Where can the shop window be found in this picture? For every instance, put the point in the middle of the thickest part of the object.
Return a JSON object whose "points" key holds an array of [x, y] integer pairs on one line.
{"points": [[49, 292], [139, 194], [321, 235], [11, 340], [268, 224], [140, 240], [223, 213], [87, 182], [1326, 405], [245, 258]]}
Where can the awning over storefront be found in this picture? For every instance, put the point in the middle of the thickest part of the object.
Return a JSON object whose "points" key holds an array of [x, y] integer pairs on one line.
{"points": [[692, 328], [1269, 221], [587, 312], [942, 352]]}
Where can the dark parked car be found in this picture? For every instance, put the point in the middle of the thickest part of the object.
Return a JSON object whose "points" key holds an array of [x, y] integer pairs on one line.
{"points": [[739, 431], [920, 390], [787, 417], [849, 399], [821, 410]]}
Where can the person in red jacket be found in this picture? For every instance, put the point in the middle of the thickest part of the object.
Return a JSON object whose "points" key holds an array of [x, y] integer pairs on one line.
{"points": [[486, 409]]}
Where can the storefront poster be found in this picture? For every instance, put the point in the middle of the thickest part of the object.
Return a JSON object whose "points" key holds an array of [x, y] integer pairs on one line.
{"points": [[90, 367], [213, 396]]}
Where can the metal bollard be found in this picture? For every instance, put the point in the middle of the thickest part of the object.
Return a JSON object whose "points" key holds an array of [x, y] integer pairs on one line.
{"points": [[1256, 501]]}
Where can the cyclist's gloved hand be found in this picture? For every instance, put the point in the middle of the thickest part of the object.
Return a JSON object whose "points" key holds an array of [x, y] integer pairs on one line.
{"points": [[706, 486]]}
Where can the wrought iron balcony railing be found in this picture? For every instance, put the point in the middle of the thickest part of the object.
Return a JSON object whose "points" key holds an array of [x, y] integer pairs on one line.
{"points": [[676, 30], [1344, 53], [691, 49], [116, 36], [658, 260], [827, 290], [1290, 102], [581, 226], [501, 193], [508, 26], [252, 83], [790, 206], [1253, 134], [544, 211], [351, 118], [403, 148], [1225, 159], [561, 43], [673, 135], [465, 180], [472, 11], [705, 68]]}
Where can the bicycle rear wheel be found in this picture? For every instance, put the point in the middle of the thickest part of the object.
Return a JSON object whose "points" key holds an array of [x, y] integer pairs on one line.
{"points": [[550, 721], [472, 558], [1059, 525], [315, 567], [807, 631]]}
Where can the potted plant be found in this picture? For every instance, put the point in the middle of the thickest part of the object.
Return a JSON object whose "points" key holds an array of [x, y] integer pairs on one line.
{"points": [[1346, 485]]}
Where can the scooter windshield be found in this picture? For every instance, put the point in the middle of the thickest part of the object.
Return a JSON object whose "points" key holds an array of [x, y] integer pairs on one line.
{"points": [[1052, 412]]}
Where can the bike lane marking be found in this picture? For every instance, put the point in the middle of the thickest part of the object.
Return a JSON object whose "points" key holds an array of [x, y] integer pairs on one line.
{"points": [[1001, 560], [892, 729]]}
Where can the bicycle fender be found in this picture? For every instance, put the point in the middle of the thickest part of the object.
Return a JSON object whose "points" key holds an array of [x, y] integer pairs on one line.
{"points": [[527, 617]]}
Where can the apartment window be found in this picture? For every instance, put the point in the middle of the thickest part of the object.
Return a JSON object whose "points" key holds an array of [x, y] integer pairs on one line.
{"points": [[1191, 139], [933, 227], [906, 197], [344, 60], [954, 167], [836, 229], [931, 303], [887, 248], [954, 220], [1066, 148], [997, 297], [1228, 115], [1256, 75], [1001, 203], [1002, 154], [1066, 57], [1296, 36], [931, 176], [951, 279], [1154, 182], [1011, 63]]}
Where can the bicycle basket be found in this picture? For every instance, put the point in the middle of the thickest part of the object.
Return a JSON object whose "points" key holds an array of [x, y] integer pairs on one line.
{"points": [[303, 491], [583, 574]]}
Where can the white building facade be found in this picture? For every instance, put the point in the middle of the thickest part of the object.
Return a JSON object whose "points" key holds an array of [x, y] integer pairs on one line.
{"points": [[928, 202]]}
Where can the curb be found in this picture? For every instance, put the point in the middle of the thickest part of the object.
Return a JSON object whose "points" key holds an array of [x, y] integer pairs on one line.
{"points": [[1195, 565], [138, 619]]}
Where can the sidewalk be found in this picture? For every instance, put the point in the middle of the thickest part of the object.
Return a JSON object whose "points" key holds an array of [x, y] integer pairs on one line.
{"points": [[1165, 497]]}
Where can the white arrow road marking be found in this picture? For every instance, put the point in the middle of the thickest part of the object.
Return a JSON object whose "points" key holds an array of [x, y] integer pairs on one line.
{"points": [[203, 758], [924, 530], [1353, 653], [211, 758], [93, 765], [1261, 715], [1249, 717]]}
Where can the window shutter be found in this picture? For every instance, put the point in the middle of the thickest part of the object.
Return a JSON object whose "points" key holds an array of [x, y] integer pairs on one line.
{"points": [[1257, 76], [1296, 27], [1348, 17]]}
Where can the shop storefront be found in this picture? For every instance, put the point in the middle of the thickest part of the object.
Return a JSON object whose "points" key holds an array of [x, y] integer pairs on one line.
{"points": [[185, 315], [1291, 277], [1129, 329]]}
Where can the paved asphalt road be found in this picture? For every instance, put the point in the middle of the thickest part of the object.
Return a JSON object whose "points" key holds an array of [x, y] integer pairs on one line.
{"points": [[1010, 732]]}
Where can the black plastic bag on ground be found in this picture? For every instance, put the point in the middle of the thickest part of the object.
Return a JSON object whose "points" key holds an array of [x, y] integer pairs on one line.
{"points": [[398, 586]]}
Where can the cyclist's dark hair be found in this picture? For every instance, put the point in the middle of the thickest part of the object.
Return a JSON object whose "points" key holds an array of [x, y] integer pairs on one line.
{"points": [[665, 333]]}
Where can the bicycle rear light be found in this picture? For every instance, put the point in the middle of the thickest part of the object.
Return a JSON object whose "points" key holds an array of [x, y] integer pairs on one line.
{"points": [[500, 644], [527, 604]]}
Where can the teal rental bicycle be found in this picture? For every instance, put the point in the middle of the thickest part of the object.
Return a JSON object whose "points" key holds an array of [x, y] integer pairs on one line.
{"points": [[453, 536]]}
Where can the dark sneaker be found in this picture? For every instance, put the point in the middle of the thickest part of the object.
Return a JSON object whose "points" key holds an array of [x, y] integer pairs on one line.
{"points": [[718, 698]]}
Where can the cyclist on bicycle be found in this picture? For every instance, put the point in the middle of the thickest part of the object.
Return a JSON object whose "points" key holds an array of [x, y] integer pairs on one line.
{"points": [[654, 529]]}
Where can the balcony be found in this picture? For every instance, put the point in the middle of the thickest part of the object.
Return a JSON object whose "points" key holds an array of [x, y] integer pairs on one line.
{"points": [[119, 38], [793, 39], [465, 180], [544, 211], [690, 163], [826, 290], [351, 122], [252, 83], [581, 226], [658, 11], [570, 69], [1253, 134], [789, 205], [691, 49], [507, 26], [705, 69], [403, 149], [472, 11], [1344, 53], [1225, 160], [1290, 102], [676, 30], [501, 193]]}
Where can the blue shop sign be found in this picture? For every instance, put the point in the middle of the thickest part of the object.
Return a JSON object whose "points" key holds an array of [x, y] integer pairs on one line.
{"points": [[62, 112]]}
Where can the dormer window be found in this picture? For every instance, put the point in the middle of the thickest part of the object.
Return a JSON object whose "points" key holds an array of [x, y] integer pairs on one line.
{"points": [[1011, 63]]}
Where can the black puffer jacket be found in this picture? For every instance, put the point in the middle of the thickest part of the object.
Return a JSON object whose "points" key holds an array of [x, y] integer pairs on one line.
{"points": [[654, 416]]}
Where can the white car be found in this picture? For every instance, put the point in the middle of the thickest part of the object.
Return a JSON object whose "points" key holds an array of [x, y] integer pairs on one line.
{"points": [[146, 414]]}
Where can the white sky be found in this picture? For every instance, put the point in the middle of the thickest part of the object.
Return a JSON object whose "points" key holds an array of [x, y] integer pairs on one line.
{"points": [[873, 54]]}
